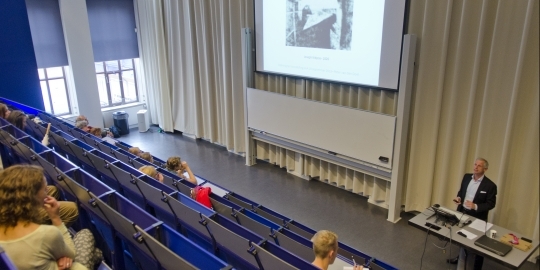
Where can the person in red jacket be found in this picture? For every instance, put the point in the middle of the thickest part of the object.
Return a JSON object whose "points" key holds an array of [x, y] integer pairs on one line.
{"points": [[202, 195]]}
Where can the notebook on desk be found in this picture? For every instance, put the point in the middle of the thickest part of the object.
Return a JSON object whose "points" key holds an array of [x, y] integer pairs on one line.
{"points": [[493, 245]]}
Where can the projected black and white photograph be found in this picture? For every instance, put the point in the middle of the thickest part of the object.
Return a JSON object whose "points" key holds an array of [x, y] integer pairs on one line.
{"points": [[324, 24]]}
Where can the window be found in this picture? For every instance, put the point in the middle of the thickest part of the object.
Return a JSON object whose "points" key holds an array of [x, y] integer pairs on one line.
{"points": [[116, 82], [54, 90]]}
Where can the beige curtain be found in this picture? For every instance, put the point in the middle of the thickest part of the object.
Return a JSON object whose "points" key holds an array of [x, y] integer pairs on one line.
{"points": [[204, 56], [475, 93], [154, 61], [192, 52]]}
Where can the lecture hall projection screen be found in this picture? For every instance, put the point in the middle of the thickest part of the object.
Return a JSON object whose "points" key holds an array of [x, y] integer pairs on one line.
{"points": [[347, 41]]}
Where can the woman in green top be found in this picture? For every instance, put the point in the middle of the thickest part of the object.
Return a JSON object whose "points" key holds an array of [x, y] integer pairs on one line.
{"points": [[23, 190]]}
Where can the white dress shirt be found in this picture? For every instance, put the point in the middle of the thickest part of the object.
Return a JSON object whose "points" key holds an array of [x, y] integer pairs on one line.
{"points": [[471, 190]]}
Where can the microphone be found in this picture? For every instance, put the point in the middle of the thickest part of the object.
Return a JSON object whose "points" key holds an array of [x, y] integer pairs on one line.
{"points": [[459, 221], [485, 228]]}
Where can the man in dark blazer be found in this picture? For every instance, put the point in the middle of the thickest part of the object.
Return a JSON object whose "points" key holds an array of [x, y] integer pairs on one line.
{"points": [[484, 192], [476, 196]]}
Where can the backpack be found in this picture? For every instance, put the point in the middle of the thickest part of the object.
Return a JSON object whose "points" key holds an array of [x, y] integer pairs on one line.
{"points": [[115, 131], [202, 195]]}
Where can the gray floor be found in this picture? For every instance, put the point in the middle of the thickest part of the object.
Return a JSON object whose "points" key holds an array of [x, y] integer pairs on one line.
{"points": [[312, 203]]}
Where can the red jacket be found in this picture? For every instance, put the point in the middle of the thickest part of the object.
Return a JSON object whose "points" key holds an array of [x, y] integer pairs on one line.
{"points": [[202, 195]]}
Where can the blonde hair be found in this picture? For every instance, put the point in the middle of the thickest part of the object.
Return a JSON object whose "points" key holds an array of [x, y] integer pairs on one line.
{"points": [[174, 163], [146, 156], [149, 170], [135, 150], [19, 185], [96, 132], [323, 242]]}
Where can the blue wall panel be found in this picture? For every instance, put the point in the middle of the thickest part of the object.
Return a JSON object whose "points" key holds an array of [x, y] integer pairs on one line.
{"points": [[19, 79]]}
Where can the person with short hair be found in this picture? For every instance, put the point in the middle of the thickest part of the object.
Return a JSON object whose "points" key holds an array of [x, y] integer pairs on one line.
{"points": [[147, 156], [82, 123], [99, 133], [23, 191], [325, 248], [135, 151], [476, 197], [152, 172], [175, 164]]}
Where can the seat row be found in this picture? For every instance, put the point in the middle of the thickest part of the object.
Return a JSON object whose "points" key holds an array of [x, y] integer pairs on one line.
{"points": [[238, 231]]}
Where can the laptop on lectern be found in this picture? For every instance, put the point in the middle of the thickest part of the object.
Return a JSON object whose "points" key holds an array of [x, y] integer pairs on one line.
{"points": [[493, 245]]}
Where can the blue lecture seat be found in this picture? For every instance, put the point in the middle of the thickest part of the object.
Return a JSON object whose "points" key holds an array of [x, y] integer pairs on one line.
{"points": [[300, 229], [123, 155], [243, 202], [158, 162], [233, 242], [89, 182], [123, 145], [152, 192], [256, 227], [106, 147], [286, 256], [12, 131], [293, 243], [136, 239], [123, 231], [190, 222], [271, 215], [100, 161], [223, 206], [270, 261], [175, 243], [139, 162]]}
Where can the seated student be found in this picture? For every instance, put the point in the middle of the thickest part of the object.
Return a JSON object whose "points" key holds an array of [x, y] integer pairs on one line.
{"points": [[4, 111], [68, 210], [152, 172], [135, 151], [98, 133], [95, 131], [23, 191], [325, 247], [18, 119], [82, 123], [175, 164], [147, 156]]}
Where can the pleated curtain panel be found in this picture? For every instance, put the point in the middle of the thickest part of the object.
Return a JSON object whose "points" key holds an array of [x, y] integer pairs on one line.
{"points": [[475, 93]]}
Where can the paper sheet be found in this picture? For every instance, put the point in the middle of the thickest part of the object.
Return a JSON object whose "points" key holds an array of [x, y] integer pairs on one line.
{"points": [[469, 235], [480, 225]]}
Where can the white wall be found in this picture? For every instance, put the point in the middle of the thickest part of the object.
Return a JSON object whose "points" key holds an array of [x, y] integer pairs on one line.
{"points": [[108, 119], [131, 110]]}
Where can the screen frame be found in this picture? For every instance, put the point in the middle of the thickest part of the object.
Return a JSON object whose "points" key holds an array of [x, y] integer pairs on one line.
{"points": [[321, 80]]}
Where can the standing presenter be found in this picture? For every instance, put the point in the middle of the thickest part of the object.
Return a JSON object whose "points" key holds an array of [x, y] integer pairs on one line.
{"points": [[477, 195]]}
